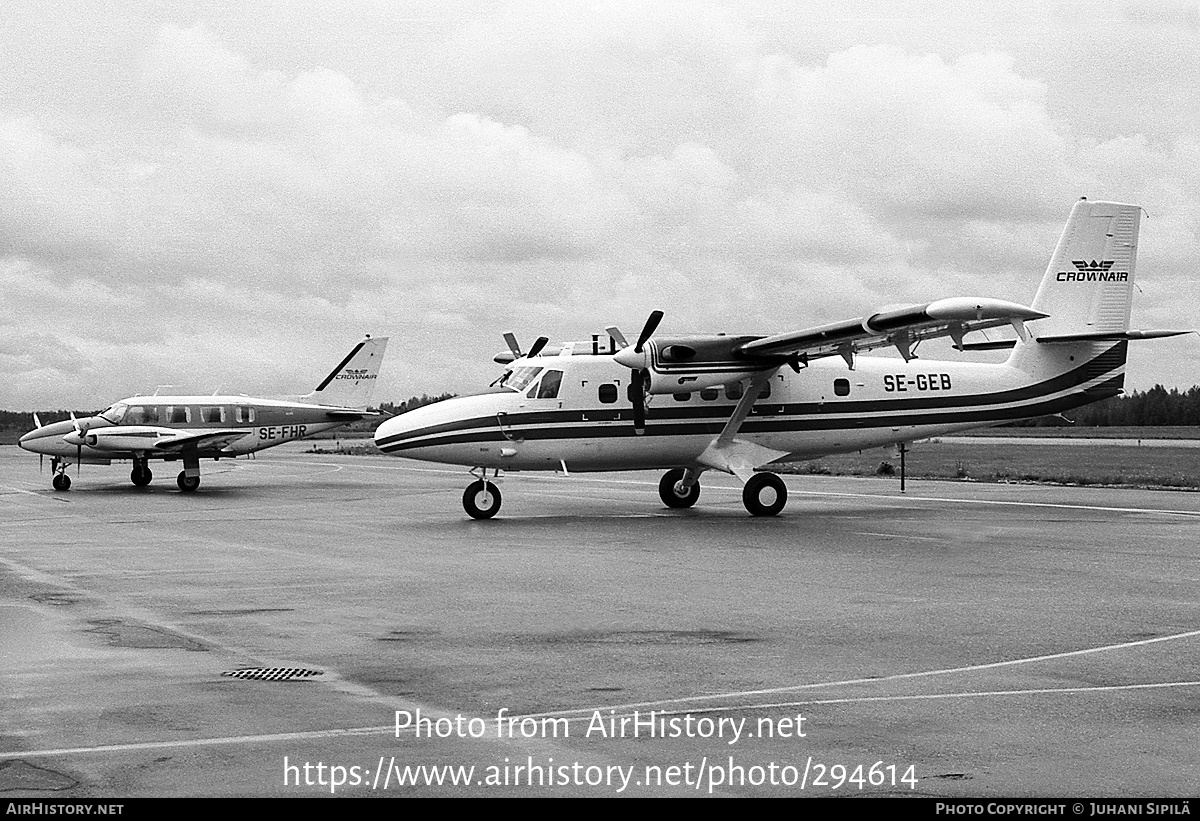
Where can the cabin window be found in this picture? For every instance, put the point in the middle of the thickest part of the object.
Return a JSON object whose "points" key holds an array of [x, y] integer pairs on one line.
{"points": [[179, 414], [608, 394], [734, 390], [244, 414], [212, 415], [841, 387], [550, 384], [682, 397], [766, 391], [709, 394]]}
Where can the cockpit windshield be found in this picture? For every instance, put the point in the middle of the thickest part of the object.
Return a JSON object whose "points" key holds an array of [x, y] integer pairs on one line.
{"points": [[116, 413], [519, 378]]}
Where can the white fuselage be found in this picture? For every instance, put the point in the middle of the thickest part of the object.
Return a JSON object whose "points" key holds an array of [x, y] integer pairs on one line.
{"points": [[134, 427], [824, 408]]}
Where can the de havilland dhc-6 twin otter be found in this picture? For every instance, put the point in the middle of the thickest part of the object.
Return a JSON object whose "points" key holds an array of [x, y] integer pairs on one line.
{"points": [[191, 428], [740, 404]]}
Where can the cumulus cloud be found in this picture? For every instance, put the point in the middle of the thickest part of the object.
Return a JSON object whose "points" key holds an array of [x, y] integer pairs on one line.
{"points": [[224, 197]]}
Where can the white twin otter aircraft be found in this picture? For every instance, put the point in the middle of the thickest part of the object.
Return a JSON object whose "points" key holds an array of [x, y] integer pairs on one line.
{"points": [[739, 404], [191, 428]]}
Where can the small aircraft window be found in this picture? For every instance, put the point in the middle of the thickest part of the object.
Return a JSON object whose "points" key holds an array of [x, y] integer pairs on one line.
{"points": [[244, 413], [212, 415], [550, 384], [766, 391], [682, 397], [734, 390], [841, 387], [709, 394], [179, 414], [116, 413], [608, 394]]}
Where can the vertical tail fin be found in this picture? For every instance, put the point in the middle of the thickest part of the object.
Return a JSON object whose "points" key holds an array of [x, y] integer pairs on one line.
{"points": [[352, 383], [1088, 286], [1086, 292]]}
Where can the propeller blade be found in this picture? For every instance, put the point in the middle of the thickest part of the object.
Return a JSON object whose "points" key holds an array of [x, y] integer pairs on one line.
{"points": [[538, 344], [37, 423], [618, 337], [511, 341], [650, 327], [637, 397]]}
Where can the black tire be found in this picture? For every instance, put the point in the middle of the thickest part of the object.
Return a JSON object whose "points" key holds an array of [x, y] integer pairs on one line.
{"points": [[61, 481], [668, 490], [141, 478], [482, 500], [764, 495], [187, 483]]}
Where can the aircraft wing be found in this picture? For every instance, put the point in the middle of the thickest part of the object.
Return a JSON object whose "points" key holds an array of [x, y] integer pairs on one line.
{"points": [[200, 439], [901, 328]]}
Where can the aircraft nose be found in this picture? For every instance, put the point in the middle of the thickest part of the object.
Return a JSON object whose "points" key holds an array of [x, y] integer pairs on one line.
{"points": [[31, 440]]}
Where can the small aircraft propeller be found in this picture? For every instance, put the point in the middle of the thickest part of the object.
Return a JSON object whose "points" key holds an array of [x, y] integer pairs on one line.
{"points": [[511, 340], [80, 430], [639, 376]]}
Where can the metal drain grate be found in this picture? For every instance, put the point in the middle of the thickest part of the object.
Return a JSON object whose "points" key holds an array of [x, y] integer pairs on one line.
{"points": [[272, 673]]}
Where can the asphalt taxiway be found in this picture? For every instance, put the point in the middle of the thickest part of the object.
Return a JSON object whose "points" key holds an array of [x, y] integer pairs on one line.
{"points": [[983, 640]]}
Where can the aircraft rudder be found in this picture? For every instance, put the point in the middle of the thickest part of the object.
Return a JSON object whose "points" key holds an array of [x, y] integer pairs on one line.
{"points": [[352, 382]]}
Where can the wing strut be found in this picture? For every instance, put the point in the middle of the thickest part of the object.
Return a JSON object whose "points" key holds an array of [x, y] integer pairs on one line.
{"points": [[737, 456]]}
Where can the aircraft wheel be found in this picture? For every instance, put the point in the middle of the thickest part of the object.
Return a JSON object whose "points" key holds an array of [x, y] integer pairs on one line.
{"points": [[187, 483], [481, 500], [764, 495], [141, 477], [61, 481], [670, 492]]}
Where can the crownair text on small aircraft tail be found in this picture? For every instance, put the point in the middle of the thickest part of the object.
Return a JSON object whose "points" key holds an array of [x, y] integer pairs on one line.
{"points": [[190, 428], [739, 404]]}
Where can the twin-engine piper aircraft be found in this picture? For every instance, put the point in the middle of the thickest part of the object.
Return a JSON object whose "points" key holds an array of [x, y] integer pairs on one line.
{"points": [[191, 428], [740, 404]]}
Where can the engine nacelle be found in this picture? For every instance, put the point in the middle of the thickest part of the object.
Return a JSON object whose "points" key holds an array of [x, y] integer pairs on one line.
{"points": [[120, 438], [692, 363]]}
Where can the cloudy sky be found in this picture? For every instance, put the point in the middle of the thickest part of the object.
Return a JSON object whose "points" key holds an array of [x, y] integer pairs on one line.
{"points": [[229, 195]]}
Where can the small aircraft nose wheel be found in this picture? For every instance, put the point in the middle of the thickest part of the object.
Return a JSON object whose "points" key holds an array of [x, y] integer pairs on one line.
{"points": [[61, 481], [141, 476], [187, 483], [764, 495], [672, 493], [481, 500]]}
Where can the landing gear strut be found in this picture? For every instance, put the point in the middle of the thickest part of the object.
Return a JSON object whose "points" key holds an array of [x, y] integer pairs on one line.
{"points": [[141, 475], [764, 495], [676, 491], [189, 477]]}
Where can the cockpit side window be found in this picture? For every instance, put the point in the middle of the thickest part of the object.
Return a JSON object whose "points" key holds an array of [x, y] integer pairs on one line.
{"points": [[550, 385], [142, 415]]}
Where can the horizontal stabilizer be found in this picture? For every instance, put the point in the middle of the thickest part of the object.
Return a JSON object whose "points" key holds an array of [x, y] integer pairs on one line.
{"points": [[1114, 336]]}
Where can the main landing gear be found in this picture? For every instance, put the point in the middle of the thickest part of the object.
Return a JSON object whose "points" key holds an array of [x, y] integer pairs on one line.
{"points": [[482, 498], [141, 474], [763, 495]]}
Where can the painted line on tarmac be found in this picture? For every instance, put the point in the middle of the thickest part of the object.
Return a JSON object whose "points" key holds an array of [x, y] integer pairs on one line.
{"points": [[973, 668], [582, 713]]}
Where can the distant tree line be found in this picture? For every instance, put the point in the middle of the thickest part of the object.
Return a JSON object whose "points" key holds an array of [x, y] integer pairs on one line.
{"points": [[1156, 407], [414, 402]]}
